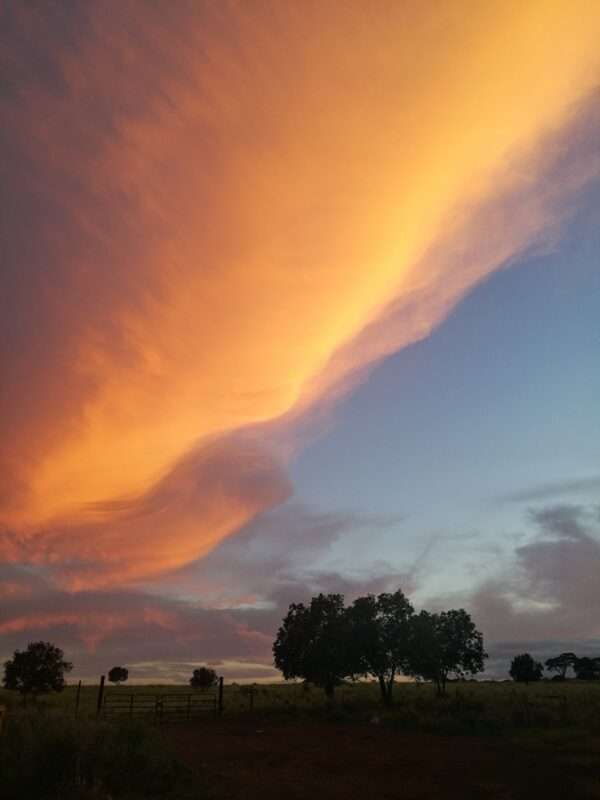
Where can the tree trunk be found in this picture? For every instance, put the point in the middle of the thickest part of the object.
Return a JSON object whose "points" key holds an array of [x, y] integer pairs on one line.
{"points": [[383, 688], [330, 693], [391, 687]]}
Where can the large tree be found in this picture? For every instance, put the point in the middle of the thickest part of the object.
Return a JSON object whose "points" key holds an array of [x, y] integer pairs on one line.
{"points": [[560, 664], [525, 669], [587, 669], [380, 638], [313, 643], [38, 669], [444, 644]]}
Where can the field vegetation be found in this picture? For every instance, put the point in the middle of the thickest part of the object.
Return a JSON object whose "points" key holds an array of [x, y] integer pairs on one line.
{"points": [[48, 754], [469, 706], [287, 732], [342, 725]]}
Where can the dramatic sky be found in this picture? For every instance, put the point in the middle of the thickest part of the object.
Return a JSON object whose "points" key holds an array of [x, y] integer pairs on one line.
{"points": [[296, 296]]}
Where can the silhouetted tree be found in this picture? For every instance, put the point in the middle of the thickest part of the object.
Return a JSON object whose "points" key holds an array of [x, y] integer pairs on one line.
{"points": [[380, 638], [313, 643], [118, 675], [38, 669], [587, 669], [524, 669], [560, 664], [203, 678], [444, 644]]}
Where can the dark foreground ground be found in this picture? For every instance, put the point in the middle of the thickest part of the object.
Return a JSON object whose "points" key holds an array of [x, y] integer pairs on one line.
{"points": [[235, 760]]}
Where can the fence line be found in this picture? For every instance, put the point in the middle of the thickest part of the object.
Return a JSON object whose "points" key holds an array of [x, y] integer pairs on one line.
{"points": [[161, 707]]}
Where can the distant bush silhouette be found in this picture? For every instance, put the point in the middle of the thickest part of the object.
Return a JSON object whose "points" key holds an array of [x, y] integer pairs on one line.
{"points": [[524, 669], [118, 675], [37, 670], [203, 678]]}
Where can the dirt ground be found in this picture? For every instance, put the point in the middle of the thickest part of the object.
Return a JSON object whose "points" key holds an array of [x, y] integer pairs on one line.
{"points": [[243, 760]]}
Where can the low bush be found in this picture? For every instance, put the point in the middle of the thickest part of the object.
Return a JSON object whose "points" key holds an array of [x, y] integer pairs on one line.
{"points": [[47, 756]]}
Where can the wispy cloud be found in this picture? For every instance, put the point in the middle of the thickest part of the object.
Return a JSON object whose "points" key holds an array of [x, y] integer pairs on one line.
{"points": [[554, 489]]}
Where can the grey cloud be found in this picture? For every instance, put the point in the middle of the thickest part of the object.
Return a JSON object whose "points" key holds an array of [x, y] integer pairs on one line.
{"points": [[549, 600], [549, 491], [139, 628], [280, 547], [97, 629], [272, 559]]}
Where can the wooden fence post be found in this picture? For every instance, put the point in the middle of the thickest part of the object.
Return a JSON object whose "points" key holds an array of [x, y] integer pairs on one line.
{"points": [[220, 696], [77, 699], [100, 696]]}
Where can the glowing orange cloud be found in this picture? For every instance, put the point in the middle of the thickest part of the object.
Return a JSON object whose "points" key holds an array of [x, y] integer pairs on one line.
{"points": [[249, 196]]}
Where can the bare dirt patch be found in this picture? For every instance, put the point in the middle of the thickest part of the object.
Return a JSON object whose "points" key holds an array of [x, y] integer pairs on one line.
{"points": [[294, 761]]}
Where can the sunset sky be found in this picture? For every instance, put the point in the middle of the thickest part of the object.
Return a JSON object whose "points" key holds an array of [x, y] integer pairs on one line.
{"points": [[297, 296]]}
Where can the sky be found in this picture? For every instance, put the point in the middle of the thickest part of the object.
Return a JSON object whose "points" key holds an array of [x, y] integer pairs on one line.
{"points": [[297, 297]]}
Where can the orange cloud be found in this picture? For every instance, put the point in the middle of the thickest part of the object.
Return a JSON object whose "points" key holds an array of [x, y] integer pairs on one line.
{"points": [[211, 491], [12, 589], [93, 627], [235, 210]]}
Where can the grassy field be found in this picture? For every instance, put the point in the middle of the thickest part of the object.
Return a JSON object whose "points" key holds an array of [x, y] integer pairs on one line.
{"points": [[470, 707], [483, 740]]}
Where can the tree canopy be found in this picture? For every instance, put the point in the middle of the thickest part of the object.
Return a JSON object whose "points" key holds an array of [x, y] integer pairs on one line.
{"points": [[203, 678], [525, 669], [313, 642], [381, 636], [380, 629], [444, 644], [118, 675], [587, 669], [38, 669], [560, 664]]}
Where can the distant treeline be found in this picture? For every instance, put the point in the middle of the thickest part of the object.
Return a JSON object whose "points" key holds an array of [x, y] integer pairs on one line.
{"points": [[525, 668]]}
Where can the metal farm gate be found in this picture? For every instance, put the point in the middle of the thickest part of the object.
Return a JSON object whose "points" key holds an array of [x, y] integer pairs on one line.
{"points": [[159, 707]]}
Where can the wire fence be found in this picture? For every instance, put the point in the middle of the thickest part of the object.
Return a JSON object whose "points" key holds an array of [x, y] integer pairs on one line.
{"points": [[175, 707]]}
